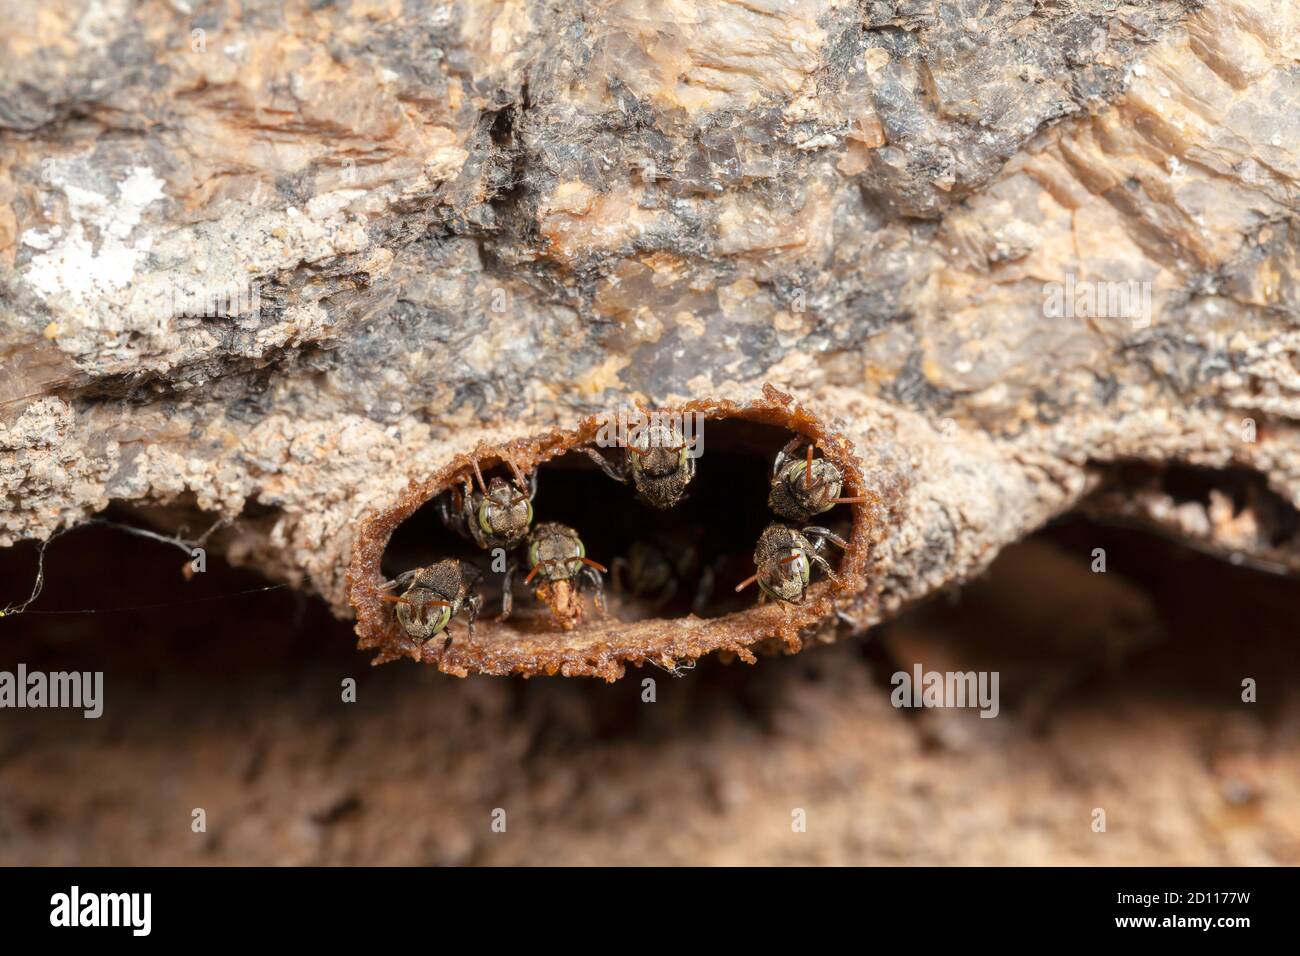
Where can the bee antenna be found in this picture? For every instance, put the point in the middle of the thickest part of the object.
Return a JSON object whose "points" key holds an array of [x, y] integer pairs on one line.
{"points": [[533, 573], [479, 475], [519, 478], [592, 564], [747, 582], [807, 472], [849, 501]]}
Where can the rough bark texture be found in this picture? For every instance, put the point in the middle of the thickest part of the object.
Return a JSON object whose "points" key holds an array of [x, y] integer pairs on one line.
{"points": [[470, 223]]}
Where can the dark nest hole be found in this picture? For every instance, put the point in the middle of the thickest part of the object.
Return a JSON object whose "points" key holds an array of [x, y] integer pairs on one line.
{"points": [[1247, 490], [705, 543]]}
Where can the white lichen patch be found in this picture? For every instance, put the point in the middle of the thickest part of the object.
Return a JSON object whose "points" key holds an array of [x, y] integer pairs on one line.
{"points": [[75, 268]]}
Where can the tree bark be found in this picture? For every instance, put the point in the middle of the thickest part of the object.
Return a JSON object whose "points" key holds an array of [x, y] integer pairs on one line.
{"points": [[288, 265]]}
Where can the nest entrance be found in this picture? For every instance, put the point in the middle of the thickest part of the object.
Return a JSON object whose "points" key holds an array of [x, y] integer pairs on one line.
{"points": [[705, 542], [665, 563]]}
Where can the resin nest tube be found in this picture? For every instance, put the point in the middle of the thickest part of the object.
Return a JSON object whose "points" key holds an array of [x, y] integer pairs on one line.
{"points": [[646, 536]]}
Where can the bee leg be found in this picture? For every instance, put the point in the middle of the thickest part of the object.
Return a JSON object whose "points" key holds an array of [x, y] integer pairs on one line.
{"points": [[818, 535], [599, 597], [825, 566], [402, 580], [618, 474], [456, 509], [507, 595], [445, 512], [532, 485], [473, 605], [785, 454]]}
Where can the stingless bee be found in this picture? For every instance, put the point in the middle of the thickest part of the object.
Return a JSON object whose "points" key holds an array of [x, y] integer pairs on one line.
{"points": [[785, 558], [494, 515], [654, 570], [558, 559], [657, 461], [804, 488], [433, 596]]}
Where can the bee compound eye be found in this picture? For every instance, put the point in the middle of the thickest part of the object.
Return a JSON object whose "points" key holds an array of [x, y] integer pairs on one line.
{"points": [[826, 471]]}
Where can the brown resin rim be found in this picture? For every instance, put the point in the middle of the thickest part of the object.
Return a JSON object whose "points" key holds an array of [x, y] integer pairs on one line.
{"points": [[601, 647]]}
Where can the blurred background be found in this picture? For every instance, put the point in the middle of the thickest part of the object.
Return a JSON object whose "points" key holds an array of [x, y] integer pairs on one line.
{"points": [[1119, 691]]}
